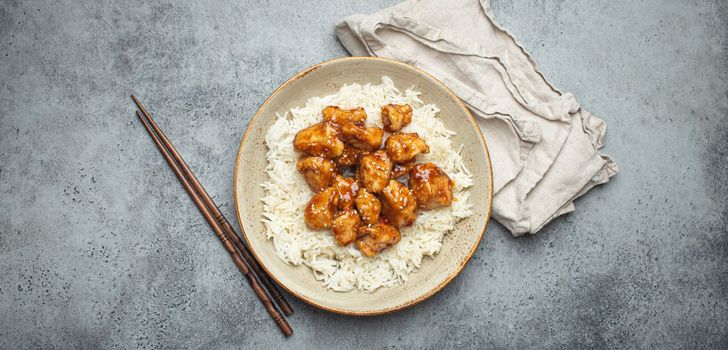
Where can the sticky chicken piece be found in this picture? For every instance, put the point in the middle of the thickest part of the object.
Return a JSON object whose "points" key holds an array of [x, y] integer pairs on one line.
{"points": [[396, 117], [374, 171], [368, 206], [346, 188], [399, 206], [404, 147], [367, 139], [317, 171], [399, 170], [321, 208], [431, 186], [377, 237], [319, 140], [350, 157], [346, 226], [343, 116]]}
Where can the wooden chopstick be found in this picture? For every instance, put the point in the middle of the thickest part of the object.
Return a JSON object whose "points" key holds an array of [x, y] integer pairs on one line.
{"points": [[219, 217], [259, 292]]}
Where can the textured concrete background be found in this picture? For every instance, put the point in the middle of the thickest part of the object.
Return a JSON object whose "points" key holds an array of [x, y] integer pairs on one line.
{"points": [[100, 247]]}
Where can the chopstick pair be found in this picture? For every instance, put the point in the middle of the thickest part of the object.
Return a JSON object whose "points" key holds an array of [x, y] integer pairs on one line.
{"points": [[223, 230]]}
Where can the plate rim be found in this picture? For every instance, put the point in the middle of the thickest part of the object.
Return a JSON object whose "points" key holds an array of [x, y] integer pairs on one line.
{"points": [[418, 299]]}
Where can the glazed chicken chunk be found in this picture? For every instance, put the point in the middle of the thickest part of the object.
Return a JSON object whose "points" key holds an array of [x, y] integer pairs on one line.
{"points": [[396, 117], [369, 206], [317, 172], [404, 147], [346, 226], [367, 139], [319, 140], [321, 209], [350, 157], [346, 188], [399, 206], [374, 171], [431, 186], [374, 238], [340, 116], [402, 169]]}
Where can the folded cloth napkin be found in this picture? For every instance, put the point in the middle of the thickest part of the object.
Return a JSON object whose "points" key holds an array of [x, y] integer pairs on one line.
{"points": [[543, 145]]}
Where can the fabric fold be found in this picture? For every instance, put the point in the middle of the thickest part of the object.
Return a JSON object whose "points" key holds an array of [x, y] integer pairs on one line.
{"points": [[535, 133]]}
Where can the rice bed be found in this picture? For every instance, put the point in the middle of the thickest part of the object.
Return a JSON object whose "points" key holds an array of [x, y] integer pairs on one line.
{"points": [[286, 194]]}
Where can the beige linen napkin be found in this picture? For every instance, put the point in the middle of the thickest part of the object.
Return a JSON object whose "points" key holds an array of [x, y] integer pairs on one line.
{"points": [[543, 145]]}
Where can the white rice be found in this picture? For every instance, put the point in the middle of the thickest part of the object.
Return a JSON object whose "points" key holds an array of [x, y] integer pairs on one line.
{"points": [[344, 268]]}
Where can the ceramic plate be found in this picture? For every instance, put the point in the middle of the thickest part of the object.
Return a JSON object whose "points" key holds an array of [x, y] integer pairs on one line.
{"points": [[458, 246]]}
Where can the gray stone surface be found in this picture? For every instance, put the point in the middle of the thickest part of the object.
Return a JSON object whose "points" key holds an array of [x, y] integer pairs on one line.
{"points": [[101, 248]]}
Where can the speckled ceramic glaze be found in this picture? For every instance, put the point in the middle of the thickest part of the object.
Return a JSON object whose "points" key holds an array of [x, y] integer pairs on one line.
{"points": [[458, 246]]}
